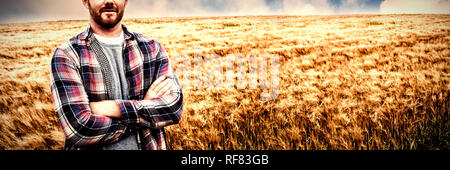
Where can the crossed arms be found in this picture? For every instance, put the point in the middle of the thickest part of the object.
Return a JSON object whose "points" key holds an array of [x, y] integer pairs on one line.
{"points": [[88, 123], [110, 108]]}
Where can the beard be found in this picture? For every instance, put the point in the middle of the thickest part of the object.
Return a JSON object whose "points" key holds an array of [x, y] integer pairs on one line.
{"points": [[107, 21]]}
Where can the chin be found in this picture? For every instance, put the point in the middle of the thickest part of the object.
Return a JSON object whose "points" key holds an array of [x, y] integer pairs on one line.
{"points": [[107, 18]]}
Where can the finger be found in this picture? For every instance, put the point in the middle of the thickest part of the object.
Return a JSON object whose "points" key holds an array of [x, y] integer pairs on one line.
{"points": [[167, 92], [157, 82], [164, 90], [161, 86], [154, 93], [149, 95]]}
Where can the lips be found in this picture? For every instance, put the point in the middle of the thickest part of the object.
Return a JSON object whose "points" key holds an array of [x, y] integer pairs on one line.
{"points": [[108, 10]]}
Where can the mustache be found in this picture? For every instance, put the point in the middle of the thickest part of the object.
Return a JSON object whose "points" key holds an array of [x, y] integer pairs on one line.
{"points": [[109, 9]]}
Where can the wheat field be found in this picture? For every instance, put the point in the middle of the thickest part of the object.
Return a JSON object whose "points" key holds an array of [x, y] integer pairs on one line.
{"points": [[364, 82]]}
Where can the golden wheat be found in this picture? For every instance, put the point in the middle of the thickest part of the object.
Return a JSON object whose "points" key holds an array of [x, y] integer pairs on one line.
{"points": [[346, 82]]}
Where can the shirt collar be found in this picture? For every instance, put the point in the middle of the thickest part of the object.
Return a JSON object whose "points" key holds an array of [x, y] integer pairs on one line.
{"points": [[88, 33]]}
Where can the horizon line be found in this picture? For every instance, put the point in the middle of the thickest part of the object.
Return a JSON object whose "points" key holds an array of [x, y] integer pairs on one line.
{"points": [[210, 16]]}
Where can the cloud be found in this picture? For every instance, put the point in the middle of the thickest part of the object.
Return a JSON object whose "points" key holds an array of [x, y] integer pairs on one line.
{"points": [[246, 7], [415, 6], [142, 8], [306, 7], [39, 10], [355, 6]]}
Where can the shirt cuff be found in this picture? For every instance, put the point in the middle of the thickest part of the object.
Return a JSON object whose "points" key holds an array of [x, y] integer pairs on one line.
{"points": [[129, 111]]}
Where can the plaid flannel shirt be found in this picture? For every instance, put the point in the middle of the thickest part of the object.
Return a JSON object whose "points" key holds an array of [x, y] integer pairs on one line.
{"points": [[77, 78]]}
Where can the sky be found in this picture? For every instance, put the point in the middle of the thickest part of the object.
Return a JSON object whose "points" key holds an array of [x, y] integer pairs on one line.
{"points": [[14, 11]]}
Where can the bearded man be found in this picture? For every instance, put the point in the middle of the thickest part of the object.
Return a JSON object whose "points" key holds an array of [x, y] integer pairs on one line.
{"points": [[113, 89]]}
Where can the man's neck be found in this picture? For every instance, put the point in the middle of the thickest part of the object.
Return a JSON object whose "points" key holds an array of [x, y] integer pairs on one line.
{"points": [[106, 32]]}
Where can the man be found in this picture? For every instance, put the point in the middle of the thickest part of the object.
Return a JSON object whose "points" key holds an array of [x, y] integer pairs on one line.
{"points": [[113, 89]]}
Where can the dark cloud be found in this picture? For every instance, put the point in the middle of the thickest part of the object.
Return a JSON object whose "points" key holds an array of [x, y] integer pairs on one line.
{"points": [[16, 9], [38, 10]]}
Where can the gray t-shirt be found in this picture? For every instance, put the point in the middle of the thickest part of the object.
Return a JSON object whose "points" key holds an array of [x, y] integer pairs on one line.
{"points": [[112, 47]]}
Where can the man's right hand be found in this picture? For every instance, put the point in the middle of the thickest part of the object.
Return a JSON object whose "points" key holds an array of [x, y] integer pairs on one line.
{"points": [[159, 88]]}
